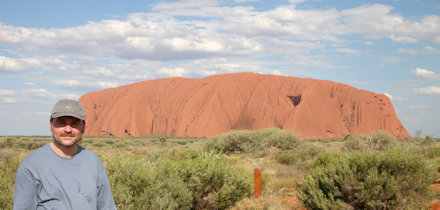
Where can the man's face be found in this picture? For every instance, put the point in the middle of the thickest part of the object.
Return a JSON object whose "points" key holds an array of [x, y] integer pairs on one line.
{"points": [[66, 131]]}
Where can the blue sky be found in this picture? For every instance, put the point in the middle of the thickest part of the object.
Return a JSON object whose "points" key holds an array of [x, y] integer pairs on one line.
{"points": [[63, 49]]}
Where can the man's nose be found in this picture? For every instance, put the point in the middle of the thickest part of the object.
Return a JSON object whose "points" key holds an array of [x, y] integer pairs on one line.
{"points": [[68, 129]]}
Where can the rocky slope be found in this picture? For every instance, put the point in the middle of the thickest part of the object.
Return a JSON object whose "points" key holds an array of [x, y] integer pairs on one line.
{"points": [[205, 107]]}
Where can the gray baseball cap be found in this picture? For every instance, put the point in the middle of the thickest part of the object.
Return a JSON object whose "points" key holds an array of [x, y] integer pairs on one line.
{"points": [[67, 107]]}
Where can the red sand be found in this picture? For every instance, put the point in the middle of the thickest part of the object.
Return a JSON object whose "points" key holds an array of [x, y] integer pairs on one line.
{"points": [[204, 107]]}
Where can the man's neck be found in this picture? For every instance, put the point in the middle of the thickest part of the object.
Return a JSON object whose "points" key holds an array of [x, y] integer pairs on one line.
{"points": [[63, 151]]}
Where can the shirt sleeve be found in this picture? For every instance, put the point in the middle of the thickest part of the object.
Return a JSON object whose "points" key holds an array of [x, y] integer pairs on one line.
{"points": [[25, 196], [105, 197]]}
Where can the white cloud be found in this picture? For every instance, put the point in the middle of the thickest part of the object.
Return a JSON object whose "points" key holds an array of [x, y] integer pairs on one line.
{"points": [[296, 1], [9, 100], [70, 96], [428, 90], [174, 72], [348, 51], [377, 21], [10, 65], [41, 93], [403, 39], [214, 38], [420, 106], [141, 36], [86, 75], [411, 120], [244, 1], [82, 84], [392, 59], [186, 4], [284, 22], [215, 30], [6, 92], [373, 20], [431, 50], [25, 96], [104, 85], [393, 98], [29, 83], [67, 83], [35, 113], [426, 74], [408, 51], [276, 72]]}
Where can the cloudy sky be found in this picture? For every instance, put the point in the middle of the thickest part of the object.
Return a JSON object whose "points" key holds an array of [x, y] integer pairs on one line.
{"points": [[51, 49]]}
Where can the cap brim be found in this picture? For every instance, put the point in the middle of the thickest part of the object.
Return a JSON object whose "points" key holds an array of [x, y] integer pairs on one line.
{"points": [[70, 114]]}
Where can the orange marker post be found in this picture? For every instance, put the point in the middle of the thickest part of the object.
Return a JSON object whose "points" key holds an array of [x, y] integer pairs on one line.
{"points": [[257, 183]]}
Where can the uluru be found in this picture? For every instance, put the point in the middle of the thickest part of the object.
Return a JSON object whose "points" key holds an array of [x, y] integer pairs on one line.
{"points": [[188, 107]]}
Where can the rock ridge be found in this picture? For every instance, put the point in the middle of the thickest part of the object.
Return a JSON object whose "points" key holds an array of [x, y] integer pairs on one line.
{"points": [[204, 107]]}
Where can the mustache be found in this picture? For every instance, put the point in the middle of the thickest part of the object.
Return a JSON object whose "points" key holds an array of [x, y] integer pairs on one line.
{"points": [[67, 135]]}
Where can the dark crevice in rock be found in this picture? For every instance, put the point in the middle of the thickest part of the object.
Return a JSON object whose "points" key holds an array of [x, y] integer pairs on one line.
{"points": [[295, 99]]}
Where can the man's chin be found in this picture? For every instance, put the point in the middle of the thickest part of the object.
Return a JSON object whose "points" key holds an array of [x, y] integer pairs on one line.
{"points": [[67, 141]]}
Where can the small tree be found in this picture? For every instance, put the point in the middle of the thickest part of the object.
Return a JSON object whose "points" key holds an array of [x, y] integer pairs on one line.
{"points": [[418, 134], [384, 180], [378, 141]]}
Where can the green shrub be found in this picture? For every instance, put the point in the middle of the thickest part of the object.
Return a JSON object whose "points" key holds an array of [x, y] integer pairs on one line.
{"points": [[282, 139], [378, 141], [427, 141], [241, 141], [162, 140], [299, 155], [98, 144], [385, 180], [433, 152], [8, 142], [138, 183], [256, 143], [214, 184], [8, 169], [120, 144], [202, 182], [109, 142], [287, 157]]}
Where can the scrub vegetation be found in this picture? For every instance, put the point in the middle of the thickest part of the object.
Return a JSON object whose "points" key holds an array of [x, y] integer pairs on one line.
{"points": [[372, 171]]}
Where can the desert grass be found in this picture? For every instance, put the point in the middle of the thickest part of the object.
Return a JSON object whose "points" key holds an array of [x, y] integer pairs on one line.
{"points": [[283, 168]]}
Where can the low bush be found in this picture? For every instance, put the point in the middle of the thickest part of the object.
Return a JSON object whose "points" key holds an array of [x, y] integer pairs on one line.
{"points": [[287, 157], [8, 169], [378, 141], [282, 139], [202, 182], [6, 142], [304, 152], [427, 141], [99, 144], [240, 141], [120, 144], [256, 143], [433, 152], [384, 180]]}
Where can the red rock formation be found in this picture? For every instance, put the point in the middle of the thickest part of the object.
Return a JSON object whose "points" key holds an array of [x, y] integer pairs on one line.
{"points": [[205, 107]]}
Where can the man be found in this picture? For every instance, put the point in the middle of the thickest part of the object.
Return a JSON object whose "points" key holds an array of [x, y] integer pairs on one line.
{"points": [[63, 174]]}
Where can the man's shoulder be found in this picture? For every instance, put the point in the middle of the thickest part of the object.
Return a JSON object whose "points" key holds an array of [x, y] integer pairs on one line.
{"points": [[40, 152], [37, 156], [86, 152]]}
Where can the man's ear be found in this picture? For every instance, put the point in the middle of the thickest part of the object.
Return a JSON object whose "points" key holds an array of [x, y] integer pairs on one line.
{"points": [[84, 127], [50, 124]]}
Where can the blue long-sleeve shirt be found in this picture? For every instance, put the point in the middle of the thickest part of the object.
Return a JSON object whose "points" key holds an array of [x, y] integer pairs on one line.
{"points": [[46, 180]]}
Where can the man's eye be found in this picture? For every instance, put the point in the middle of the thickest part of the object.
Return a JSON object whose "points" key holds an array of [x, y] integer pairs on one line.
{"points": [[60, 123]]}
